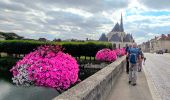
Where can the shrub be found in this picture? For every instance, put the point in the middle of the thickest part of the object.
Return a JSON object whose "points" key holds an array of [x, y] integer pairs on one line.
{"points": [[19, 46], [106, 55], [76, 49], [47, 66]]}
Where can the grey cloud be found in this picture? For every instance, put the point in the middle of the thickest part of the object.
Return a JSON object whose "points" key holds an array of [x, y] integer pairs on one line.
{"points": [[31, 24], [68, 19], [93, 5], [12, 6], [156, 4], [87, 5], [60, 17], [141, 28]]}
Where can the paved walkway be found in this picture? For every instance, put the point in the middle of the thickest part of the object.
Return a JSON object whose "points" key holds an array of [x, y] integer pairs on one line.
{"points": [[123, 91]]}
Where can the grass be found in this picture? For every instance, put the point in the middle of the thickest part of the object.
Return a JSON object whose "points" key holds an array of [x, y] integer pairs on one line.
{"points": [[87, 58], [3, 54]]}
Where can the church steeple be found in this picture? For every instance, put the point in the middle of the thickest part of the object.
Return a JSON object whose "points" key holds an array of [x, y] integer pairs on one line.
{"points": [[121, 24]]}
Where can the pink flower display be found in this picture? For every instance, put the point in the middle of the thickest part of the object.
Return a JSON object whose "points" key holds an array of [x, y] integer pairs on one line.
{"points": [[120, 52], [47, 66], [123, 50], [106, 55]]}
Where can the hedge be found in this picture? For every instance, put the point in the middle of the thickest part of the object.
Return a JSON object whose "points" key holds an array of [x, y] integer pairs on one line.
{"points": [[19, 46], [76, 49]]}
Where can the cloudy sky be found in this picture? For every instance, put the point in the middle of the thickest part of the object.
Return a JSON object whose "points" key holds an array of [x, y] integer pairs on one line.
{"points": [[81, 19]]}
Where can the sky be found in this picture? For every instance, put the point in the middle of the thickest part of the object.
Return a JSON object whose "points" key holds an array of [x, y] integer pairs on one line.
{"points": [[81, 19]]}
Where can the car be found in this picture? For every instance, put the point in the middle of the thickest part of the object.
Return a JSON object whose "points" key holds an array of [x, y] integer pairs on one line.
{"points": [[160, 52]]}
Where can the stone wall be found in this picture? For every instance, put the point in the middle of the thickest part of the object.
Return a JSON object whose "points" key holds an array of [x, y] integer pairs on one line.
{"points": [[97, 86]]}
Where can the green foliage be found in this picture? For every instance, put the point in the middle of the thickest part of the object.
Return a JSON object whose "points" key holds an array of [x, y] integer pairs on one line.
{"points": [[84, 48], [6, 64], [19, 46], [76, 49], [10, 36]]}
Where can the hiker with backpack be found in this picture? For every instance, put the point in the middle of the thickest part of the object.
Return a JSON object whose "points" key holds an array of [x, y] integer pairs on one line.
{"points": [[134, 56]]}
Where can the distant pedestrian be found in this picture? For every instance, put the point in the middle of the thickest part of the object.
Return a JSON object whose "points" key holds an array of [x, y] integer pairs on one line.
{"points": [[144, 60], [133, 59]]}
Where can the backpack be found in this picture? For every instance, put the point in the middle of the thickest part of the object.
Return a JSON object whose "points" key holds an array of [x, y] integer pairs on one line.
{"points": [[133, 55], [133, 58]]}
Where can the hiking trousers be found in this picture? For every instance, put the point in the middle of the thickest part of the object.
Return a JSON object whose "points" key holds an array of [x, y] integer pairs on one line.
{"points": [[127, 64], [133, 73], [140, 66]]}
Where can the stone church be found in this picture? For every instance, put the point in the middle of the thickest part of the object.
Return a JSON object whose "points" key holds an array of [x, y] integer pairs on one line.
{"points": [[117, 36]]}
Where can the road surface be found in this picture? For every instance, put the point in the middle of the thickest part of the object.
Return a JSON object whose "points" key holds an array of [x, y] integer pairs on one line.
{"points": [[158, 71]]}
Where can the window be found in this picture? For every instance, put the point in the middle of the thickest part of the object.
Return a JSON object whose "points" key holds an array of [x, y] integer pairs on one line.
{"points": [[114, 46]]}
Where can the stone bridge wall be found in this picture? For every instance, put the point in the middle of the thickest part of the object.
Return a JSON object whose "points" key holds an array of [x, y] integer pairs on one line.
{"points": [[97, 86]]}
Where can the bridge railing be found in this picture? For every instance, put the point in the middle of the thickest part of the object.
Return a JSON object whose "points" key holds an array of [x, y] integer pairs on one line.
{"points": [[97, 86]]}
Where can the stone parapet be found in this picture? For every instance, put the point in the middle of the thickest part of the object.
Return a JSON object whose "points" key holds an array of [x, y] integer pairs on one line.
{"points": [[97, 86]]}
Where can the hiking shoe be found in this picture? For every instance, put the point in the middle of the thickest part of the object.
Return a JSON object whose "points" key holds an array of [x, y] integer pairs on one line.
{"points": [[139, 70], [134, 84], [129, 82]]}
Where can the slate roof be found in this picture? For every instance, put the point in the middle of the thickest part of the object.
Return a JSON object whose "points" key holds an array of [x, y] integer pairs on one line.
{"points": [[103, 38], [116, 28], [128, 38], [115, 38]]}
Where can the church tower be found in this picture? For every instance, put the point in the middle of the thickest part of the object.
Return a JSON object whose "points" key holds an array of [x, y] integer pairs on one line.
{"points": [[121, 24], [117, 36]]}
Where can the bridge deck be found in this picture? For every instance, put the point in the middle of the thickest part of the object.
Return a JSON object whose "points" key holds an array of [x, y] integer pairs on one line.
{"points": [[123, 91]]}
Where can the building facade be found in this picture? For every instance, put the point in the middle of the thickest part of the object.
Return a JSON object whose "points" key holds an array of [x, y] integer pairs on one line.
{"points": [[117, 36], [158, 43]]}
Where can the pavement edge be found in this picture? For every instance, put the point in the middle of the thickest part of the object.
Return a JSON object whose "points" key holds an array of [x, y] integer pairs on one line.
{"points": [[152, 87]]}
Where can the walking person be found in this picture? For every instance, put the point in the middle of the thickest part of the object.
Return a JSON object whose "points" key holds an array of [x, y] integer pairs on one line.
{"points": [[127, 58], [144, 60], [133, 59], [140, 60]]}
